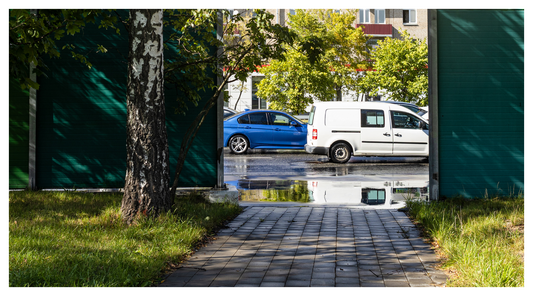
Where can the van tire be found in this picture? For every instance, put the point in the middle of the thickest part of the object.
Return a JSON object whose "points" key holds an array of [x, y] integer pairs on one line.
{"points": [[340, 153], [238, 144]]}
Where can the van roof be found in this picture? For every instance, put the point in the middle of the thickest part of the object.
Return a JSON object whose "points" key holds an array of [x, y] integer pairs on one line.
{"points": [[378, 105]]}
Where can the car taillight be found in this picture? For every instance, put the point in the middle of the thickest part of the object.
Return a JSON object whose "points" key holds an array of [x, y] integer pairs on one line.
{"points": [[315, 134]]}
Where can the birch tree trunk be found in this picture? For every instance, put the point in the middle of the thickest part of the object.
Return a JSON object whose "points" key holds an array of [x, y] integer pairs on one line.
{"points": [[146, 189]]}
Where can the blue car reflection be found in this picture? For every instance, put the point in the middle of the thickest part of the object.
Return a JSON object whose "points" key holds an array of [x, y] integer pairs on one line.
{"points": [[263, 129]]}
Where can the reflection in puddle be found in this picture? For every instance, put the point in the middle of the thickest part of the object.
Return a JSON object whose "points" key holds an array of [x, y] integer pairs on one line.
{"points": [[331, 192]]}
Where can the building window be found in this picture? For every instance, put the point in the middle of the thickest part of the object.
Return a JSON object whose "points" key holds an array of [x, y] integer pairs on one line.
{"points": [[409, 16], [364, 16], [380, 16], [292, 11], [257, 102]]}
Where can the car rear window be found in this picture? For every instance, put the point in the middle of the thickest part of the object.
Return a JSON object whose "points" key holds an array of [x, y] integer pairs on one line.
{"points": [[244, 119]]}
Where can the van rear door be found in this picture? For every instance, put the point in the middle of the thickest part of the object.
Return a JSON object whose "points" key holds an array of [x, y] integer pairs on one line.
{"points": [[376, 135]]}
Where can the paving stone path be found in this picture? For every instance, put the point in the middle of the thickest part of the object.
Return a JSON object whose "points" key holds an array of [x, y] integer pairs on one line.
{"points": [[267, 246]]}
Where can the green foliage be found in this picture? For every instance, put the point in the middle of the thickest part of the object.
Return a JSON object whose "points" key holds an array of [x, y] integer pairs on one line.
{"points": [[194, 39], [400, 67], [481, 239], [324, 61], [32, 36], [76, 239]]}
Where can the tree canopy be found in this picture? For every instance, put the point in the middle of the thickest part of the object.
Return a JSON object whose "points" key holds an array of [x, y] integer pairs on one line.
{"points": [[324, 63], [400, 68], [34, 35], [245, 43]]}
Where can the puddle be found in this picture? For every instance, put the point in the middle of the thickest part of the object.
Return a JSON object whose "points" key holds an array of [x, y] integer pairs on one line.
{"points": [[385, 193]]}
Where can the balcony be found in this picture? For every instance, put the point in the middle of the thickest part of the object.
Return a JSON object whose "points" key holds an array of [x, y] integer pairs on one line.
{"points": [[376, 30]]}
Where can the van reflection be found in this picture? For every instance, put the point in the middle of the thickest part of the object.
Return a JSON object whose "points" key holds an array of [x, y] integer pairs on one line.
{"points": [[367, 193], [331, 192]]}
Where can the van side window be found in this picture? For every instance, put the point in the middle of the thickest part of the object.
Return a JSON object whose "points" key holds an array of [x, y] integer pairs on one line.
{"points": [[404, 120], [372, 118], [373, 196]]}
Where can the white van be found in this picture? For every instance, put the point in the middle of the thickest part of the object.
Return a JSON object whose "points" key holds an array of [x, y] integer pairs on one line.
{"points": [[342, 129], [383, 193]]}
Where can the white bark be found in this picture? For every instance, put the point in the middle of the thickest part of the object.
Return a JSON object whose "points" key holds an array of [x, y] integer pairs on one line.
{"points": [[147, 173]]}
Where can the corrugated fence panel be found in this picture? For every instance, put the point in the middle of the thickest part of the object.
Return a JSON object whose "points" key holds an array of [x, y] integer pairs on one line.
{"points": [[18, 135], [81, 134], [81, 115], [481, 101]]}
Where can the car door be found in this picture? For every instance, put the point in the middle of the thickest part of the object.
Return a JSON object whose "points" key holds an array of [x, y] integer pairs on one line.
{"points": [[285, 134], [409, 135], [376, 137], [256, 128]]}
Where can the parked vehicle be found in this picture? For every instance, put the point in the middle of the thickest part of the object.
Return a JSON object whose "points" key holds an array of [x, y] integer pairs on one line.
{"points": [[229, 112], [263, 129], [303, 117], [387, 193], [343, 129], [421, 111]]}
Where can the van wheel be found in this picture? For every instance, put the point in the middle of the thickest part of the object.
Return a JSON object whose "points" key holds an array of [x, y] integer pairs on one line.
{"points": [[238, 144], [340, 153]]}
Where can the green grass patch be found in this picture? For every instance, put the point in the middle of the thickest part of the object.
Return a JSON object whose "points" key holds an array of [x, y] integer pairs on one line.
{"points": [[481, 240], [75, 239]]}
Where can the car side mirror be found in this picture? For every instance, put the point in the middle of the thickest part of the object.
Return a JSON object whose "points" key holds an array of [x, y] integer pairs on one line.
{"points": [[294, 123]]}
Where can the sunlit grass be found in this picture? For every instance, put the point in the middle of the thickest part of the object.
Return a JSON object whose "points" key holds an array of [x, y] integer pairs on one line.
{"points": [[73, 239], [482, 240]]}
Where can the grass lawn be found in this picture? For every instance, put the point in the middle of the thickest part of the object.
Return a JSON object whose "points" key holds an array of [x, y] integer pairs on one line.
{"points": [[481, 240], [75, 239]]}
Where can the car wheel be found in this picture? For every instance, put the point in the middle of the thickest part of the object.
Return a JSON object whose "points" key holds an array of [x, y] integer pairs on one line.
{"points": [[238, 144], [340, 153]]}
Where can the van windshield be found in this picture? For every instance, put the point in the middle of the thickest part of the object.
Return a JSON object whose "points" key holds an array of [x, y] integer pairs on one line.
{"points": [[311, 116]]}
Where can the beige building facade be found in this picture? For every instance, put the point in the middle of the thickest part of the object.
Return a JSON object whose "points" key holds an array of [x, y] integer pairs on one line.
{"points": [[388, 22], [378, 23], [415, 21]]}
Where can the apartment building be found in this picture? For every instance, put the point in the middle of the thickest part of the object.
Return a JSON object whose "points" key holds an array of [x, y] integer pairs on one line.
{"points": [[378, 23], [382, 23]]}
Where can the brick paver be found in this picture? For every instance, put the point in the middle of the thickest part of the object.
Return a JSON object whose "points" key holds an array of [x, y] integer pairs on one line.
{"points": [[269, 246]]}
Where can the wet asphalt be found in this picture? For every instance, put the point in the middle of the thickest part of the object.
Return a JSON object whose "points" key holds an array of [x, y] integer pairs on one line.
{"points": [[298, 165]]}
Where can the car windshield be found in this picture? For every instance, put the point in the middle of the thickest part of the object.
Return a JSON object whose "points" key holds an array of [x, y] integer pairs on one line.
{"points": [[415, 109], [298, 120], [412, 108]]}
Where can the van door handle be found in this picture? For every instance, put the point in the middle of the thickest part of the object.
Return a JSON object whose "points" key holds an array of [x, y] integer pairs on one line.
{"points": [[386, 134], [398, 135]]}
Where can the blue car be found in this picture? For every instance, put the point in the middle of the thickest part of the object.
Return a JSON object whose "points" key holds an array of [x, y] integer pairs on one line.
{"points": [[264, 129]]}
